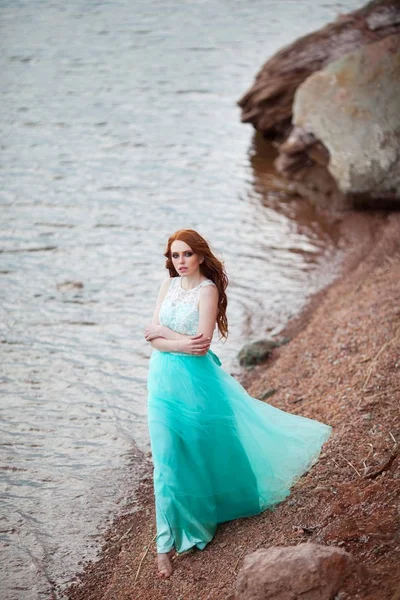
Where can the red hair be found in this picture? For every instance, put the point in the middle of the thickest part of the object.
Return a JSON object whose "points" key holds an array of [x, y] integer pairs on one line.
{"points": [[211, 267]]}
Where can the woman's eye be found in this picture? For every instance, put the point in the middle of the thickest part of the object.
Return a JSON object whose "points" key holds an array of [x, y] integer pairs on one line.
{"points": [[187, 254]]}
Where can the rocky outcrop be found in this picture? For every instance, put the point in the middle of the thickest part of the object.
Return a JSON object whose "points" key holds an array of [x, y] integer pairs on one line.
{"points": [[345, 144], [307, 571], [268, 103], [258, 351], [332, 98]]}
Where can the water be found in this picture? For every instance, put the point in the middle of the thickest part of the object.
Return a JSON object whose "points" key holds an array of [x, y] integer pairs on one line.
{"points": [[119, 126]]}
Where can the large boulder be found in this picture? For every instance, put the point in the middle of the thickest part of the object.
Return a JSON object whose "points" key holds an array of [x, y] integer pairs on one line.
{"points": [[268, 103], [307, 571], [346, 118]]}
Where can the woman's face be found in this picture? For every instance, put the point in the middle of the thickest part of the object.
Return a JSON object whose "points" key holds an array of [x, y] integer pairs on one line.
{"points": [[185, 261]]}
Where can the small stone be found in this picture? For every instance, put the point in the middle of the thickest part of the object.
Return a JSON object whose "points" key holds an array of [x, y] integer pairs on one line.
{"points": [[67, 286], [254, 353], [267, 394]]}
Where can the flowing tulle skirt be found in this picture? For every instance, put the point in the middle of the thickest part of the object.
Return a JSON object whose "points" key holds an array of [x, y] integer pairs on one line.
{"points": [[218, 453]]}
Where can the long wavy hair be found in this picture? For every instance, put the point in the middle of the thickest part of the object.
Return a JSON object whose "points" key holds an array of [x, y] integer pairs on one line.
{"points": [[211, 267]]}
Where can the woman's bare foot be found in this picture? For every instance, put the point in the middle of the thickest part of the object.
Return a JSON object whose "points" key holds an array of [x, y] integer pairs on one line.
{"points": [[164, 563]]}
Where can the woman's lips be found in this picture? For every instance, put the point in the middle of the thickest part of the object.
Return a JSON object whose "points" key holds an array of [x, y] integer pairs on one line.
{"points": [[183, 269]]}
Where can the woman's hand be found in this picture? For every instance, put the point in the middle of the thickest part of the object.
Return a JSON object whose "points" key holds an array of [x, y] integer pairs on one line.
{"points": [[153, 331], [194, 344]]}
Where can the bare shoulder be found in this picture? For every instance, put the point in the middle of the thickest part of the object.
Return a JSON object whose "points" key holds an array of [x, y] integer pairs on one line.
{"points": [[209, 291]]}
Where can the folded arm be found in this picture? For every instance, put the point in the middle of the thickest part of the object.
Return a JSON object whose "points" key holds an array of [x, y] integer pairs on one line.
{"points": [[155, 330], [165, 345], [165, 339], [191, 344]]}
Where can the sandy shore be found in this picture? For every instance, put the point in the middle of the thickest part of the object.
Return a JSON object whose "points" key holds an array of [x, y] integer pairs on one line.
{"points": [[341, 367]]}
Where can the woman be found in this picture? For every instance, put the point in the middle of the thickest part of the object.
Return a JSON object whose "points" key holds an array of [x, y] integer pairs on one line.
{"points": [[218, 453]]}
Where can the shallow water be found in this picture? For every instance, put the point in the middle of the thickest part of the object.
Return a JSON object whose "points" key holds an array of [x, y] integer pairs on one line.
{"points": [[119, 126]]}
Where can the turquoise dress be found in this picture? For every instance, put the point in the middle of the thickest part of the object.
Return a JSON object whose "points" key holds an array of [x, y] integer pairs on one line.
{"points": [[218, 453]]}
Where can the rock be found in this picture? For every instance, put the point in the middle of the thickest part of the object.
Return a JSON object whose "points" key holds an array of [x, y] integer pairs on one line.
{"points": [[267, 394], [268, 103], [68, 285], [256, 352], [347, 118], [307, 571]]}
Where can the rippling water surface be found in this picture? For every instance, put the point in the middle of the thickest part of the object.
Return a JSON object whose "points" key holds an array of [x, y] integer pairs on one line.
{"points": [[118, 126]]}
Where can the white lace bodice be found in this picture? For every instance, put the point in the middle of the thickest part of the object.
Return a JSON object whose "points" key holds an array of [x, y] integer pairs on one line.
{"points": [[180, 308]]}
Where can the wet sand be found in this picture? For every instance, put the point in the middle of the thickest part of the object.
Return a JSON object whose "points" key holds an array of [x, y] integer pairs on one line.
{"points": [[341, 367]]}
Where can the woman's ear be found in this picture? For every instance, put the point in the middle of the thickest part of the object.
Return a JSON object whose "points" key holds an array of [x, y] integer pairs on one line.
{"points": [[201, 260]]}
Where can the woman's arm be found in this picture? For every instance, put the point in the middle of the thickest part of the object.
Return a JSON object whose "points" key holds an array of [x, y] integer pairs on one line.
{"points": [[161, 331], [164, 345], [208, 310], [161, 295], [195, 344]]}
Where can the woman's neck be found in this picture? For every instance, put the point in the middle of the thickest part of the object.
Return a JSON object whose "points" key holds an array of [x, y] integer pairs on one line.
{"points": [[192, 281]]}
